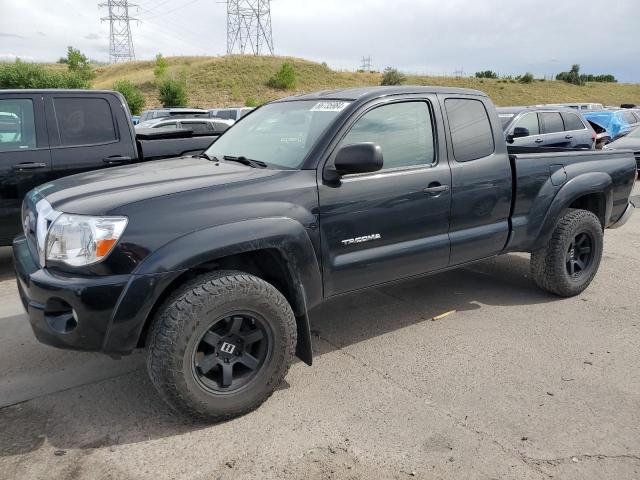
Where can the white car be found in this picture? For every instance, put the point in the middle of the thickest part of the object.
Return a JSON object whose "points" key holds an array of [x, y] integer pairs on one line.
{"points": [[197, 125]]}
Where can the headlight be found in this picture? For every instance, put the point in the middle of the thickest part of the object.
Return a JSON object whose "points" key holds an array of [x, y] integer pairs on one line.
{"points": [[79, 240]]}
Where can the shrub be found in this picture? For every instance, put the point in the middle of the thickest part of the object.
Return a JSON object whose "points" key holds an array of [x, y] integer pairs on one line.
{"points": [[29, 75], [391, 76], [526, 78], [283, 79], [161, 67], [251, 102], [132, 94], [173, 92], [486, 74]]}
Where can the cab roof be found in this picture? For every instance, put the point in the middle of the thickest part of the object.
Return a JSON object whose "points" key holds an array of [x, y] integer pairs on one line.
{"points": [[369, 93]]}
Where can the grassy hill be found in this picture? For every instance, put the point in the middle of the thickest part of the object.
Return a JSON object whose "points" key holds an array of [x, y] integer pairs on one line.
{"points": [[232, 80]]}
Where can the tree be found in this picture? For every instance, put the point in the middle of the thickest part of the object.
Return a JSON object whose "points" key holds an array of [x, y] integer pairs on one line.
{"points": [[486, 74], [526, 78], [173, 92], [572, 76], [79, 64], [283, 79], [391, 76], [28, 75], [132, 94], [161, 67]]}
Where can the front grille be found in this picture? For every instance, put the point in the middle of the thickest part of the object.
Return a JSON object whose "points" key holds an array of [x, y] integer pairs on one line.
{"points": [[637, 155], [30, 224]]}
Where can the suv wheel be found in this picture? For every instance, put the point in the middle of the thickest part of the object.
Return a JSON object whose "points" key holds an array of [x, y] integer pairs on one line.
{"points": [[567, 265], [221, 345]]}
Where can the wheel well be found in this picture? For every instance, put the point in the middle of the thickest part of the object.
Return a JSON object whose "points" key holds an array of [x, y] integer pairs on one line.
{"points": [[593, 202], [268, 264]]}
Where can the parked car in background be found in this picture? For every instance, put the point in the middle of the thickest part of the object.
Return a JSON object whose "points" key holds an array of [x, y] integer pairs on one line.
{"points": [[48, 134], [234, 114], [617, 122], [135, 119], [546, 127], [198, 126], [576, 106], [631, 141], [171, 112]]}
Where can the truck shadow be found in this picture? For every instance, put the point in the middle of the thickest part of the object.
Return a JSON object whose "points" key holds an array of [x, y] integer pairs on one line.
{"points": [[127, 409]]}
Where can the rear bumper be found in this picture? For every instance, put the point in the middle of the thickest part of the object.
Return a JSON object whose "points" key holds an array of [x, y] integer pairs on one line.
{"points": [[102, 313], [625, 216]]}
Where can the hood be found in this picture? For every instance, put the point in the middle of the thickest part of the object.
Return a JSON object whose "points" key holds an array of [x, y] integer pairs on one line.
{"points": [[100, 191], [630, 143]]}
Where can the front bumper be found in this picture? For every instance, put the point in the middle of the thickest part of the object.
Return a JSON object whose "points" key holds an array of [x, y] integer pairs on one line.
{"points": [[92, 313], [625, 216]]}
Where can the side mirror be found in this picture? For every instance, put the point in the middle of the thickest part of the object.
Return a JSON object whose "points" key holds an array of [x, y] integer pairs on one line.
{"points": [[355, 158], [519, 132]]}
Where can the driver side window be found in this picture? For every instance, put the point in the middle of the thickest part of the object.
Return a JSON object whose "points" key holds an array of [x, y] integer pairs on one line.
{"points": [[404, 132], [530, 122]]}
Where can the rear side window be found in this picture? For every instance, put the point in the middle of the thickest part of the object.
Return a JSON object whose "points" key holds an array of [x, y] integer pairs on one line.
{"points": [[572, 122], [404, 132], [197, 127], [530, 122], [471, 132], [17, 125], [551, 122], [84, 121]]}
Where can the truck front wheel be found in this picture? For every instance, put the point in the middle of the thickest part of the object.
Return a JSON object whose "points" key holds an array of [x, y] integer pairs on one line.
{"points": [[220, 345], [567, 265]]}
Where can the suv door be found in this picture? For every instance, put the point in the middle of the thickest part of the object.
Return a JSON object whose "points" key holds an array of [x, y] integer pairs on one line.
{"points": [[87, 132], [553, 130], [576, 131], [394, 223], [529, 121], [25, 160]]}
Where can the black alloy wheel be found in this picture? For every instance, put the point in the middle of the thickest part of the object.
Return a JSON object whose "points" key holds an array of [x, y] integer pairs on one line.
{"points": [[579, 255]]}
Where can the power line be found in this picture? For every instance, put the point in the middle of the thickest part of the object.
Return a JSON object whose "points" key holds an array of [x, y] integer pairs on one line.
{"points": [[366, 64], [120, 41], [249, 26]]}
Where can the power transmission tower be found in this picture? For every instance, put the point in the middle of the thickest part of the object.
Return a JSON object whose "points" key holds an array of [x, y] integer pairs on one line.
{"points": [[120, 42], [366, 64], [249, 26]]}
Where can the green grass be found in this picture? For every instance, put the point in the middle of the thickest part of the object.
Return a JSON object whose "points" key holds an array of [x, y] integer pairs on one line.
{"points": [[231, 80]]}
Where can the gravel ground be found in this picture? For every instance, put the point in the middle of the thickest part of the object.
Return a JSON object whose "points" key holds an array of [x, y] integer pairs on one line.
{"points": [[513, 384]]}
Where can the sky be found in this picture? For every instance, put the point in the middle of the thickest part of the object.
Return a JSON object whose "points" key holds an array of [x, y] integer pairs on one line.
{"points": [[417, 36]]}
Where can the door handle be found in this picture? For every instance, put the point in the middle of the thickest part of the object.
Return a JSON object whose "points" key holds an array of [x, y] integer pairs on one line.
{"points": [[28, 166], [436, 189], [568, 137], [116, 159], [539, 140]]}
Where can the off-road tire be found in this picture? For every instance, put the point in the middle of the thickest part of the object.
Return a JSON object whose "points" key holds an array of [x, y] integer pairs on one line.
{"points": [[549, 264], [185, 316]]}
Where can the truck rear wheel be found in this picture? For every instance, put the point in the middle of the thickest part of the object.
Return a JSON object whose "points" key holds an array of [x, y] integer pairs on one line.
{"points": [[567, 265], [221, 345]]}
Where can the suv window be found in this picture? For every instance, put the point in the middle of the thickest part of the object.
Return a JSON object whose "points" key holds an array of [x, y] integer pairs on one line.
{"points": [[197, 127], [551, 122], [226, 114], [530, 122], [17, 125], [629, 117], [470, 127], [404, 131], [84, 121], [161, 114], [168, 126], [572, 122]]}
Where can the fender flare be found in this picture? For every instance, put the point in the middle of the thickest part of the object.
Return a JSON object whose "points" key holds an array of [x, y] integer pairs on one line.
{"points": [[289, 237], [584, 184]]}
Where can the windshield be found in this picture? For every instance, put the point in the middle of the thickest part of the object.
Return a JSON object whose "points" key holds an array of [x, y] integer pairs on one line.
{"points": [[278, 134]]}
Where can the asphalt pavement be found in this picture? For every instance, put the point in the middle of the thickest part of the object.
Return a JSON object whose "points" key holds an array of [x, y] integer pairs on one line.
{"points": [[473, 373]]}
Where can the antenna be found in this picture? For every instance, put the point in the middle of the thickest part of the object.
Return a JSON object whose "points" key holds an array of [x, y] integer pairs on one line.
{"points": [[249, 26], [120, 42]]}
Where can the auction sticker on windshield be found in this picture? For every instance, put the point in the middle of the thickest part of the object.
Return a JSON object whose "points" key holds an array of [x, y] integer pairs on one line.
{"points": [[329, 106]]}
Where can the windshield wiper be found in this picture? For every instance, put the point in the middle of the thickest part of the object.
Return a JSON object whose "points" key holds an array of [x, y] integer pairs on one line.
{"points": [[246, 161]]}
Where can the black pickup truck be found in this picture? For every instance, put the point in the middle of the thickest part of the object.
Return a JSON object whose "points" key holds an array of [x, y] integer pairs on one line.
{"points": [[48, 134], [214, 263]]}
